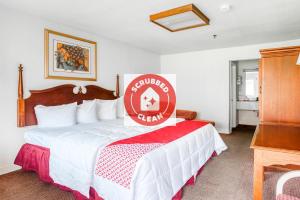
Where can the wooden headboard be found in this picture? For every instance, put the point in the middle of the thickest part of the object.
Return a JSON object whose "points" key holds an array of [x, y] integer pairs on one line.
{"points": [[62, 94]]}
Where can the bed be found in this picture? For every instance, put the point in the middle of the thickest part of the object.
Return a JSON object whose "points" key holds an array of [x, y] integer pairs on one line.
{"points": [[75, 158]]}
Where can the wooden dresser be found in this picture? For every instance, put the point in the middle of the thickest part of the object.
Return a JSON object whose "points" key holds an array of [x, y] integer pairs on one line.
{"points": [[276, 142]]}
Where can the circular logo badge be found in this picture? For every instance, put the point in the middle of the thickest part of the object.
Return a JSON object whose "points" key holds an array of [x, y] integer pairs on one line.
{"points": [[149, 99]]}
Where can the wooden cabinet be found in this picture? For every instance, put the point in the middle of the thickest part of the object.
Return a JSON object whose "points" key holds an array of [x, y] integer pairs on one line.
{"points": [[277, 138], [280, 86]]}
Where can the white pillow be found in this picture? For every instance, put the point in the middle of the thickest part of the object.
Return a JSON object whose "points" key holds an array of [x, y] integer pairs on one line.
{"points": [[120, 107], [106, 109], [87, 112], [56, 116]]}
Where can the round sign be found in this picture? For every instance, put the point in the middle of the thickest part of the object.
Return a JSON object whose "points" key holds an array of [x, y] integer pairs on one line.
{"points": [[150, 99]]}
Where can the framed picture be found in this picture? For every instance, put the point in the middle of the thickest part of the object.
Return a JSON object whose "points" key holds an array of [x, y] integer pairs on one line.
{"points": [[69, 57]]}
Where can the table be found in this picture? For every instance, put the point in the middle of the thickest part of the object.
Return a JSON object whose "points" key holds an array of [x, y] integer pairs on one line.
{"points": [[274, 145]]}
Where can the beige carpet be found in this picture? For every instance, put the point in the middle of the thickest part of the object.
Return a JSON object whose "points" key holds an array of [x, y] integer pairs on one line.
{"points": [[226, 177], [229, 176]]}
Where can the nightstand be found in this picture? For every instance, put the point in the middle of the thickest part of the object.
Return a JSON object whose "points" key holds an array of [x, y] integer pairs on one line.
{"points": [[191, 115], [186, 114]]}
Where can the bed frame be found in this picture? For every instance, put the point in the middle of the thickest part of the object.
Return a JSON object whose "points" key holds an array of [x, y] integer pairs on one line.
{"points": [[62, 94]]}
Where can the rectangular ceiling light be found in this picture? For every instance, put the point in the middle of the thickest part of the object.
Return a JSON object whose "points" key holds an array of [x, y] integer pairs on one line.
{"points": [[181, 18]]}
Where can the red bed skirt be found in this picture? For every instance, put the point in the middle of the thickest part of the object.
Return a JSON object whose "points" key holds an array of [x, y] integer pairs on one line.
{"points": [[36, 158]]}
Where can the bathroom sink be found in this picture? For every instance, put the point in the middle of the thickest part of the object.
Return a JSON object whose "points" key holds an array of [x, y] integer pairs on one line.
{"points": [[247, 105]]}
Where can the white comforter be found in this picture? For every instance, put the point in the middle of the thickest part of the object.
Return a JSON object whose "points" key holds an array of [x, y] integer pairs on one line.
{"points": [[158, 175]]}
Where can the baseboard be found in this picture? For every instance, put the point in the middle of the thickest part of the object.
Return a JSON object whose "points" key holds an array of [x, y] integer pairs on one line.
{"points": [[223, 131], [7, 168]]}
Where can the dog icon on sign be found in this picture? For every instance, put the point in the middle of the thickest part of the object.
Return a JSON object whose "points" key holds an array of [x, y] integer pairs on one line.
{"points": [[150, 100]]}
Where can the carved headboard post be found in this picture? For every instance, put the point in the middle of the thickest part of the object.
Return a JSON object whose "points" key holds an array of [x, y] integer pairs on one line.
{"points": [[21, 102], [61, 94], [118, 86]]}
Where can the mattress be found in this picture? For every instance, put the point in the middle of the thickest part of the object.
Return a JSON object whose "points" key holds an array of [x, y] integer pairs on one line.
{"points": [[161, 173], [74, 149], [45, 136]]}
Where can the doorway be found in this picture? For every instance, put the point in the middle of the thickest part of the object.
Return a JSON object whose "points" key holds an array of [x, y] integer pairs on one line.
{"points": [[243, 98]]}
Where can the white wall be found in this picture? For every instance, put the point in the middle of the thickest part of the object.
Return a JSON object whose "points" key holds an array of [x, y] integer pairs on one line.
{"points": [[22, 41], [203, 79]]}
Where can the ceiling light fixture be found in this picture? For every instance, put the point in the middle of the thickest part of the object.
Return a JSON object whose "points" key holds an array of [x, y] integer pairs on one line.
{"points": [[225, 8], [181, 18]]}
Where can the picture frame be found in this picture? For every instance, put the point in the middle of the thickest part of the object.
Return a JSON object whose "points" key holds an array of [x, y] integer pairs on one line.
{"points": [[69, 57]]}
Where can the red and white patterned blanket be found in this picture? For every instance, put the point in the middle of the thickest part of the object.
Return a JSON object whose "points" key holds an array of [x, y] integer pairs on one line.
{"points": [[118, 160]]}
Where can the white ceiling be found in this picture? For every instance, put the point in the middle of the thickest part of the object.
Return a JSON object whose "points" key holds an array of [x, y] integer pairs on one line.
{"points": [[249, 21]]}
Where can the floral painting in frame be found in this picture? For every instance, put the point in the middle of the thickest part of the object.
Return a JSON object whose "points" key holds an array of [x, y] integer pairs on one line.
{"points": [[69, 57]]}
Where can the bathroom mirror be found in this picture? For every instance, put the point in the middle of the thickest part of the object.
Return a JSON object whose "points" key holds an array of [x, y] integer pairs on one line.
{"points": [[252, 84]]}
